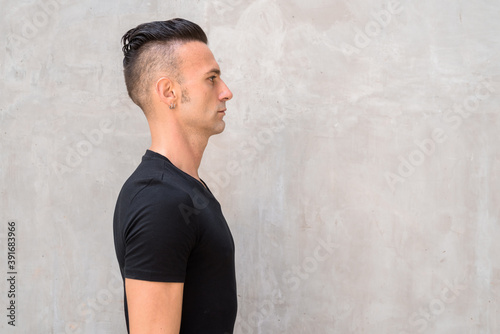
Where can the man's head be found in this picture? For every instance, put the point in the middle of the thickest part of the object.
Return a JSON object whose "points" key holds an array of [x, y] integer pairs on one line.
{"points": [[168, 65], [150, 48]]}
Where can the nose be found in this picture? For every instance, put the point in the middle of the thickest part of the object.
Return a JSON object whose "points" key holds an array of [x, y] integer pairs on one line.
{"points": [[225, 94]]}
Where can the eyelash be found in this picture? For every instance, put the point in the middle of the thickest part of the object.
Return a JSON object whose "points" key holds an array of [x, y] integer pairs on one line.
{"points": [[212, 78]]}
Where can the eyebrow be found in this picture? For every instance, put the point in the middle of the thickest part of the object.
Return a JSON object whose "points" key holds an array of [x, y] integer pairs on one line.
{"points": [[214, 70]]}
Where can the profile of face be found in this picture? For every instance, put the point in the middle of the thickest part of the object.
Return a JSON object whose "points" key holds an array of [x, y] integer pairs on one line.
{"points": [[202, 106]]}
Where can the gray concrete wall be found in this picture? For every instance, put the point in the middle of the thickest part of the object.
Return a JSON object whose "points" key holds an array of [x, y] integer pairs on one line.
{"points": [[359, 169]]}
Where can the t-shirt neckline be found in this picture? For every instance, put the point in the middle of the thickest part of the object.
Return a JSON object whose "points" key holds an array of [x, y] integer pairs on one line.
{"points": [[153, 154]]}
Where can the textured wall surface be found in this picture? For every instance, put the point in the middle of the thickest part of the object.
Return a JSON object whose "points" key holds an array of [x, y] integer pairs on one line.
{"points": [[359, 170]]}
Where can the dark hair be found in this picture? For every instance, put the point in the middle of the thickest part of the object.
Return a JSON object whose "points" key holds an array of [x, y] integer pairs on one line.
{"points": [[149, 48]]}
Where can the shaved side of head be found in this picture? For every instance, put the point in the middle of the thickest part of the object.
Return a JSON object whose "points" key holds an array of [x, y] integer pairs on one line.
{"points": [[150, 51]]}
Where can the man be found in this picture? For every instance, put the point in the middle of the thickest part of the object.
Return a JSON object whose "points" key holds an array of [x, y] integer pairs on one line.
{"points": [[174, 247]]}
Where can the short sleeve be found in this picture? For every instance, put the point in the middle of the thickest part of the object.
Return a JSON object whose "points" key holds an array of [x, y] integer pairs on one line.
{"points": [[158, 241]]}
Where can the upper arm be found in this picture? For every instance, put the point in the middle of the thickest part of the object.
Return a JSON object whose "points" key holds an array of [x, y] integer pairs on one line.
{"points": [[154, 307], [158, 243]]}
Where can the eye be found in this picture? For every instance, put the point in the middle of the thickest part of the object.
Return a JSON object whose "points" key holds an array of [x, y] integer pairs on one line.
{"points": [[212, 78]]}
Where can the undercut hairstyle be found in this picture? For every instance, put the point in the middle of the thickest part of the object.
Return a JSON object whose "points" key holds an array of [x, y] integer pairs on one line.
{"points": [[150, 48]]}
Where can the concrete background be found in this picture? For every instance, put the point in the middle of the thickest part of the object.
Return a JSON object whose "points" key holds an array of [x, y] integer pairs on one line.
{"points": [[359, 169]]}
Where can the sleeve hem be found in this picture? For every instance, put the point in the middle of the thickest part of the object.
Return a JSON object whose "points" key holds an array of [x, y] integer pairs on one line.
{"points": [[153, 277]]}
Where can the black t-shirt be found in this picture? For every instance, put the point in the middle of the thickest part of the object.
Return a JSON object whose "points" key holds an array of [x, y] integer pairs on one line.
{"points": [[169, 228]]}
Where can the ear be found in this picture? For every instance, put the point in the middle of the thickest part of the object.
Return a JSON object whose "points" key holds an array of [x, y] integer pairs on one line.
{"points": [[164, 89]]}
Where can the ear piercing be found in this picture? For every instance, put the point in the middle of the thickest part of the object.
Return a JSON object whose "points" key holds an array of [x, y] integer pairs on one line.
{"points": [[172, 105]]}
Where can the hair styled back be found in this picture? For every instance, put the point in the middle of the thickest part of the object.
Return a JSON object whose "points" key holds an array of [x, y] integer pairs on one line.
{"points": [[150, 48]]}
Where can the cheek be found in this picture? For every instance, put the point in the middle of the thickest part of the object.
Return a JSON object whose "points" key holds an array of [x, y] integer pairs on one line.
{"points": [[206, 95], [209, 100]]}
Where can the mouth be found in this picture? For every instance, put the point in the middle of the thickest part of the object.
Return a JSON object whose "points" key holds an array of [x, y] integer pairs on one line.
{"points": [[223, 111]]}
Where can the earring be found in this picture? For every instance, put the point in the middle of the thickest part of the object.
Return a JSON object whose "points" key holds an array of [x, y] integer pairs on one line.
{"points": [[172, 106]]}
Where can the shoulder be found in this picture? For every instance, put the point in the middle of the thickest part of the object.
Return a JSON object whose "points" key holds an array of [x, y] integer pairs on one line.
{"points": [[156, 195], [157, 190], [153, 183], [155, 207]]}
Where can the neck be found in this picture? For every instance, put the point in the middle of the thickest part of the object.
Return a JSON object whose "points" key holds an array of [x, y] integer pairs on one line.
{"points": [[182, 148]]}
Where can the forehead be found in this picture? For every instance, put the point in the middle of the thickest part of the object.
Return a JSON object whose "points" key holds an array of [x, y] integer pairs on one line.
{"points": [[196, 59]]}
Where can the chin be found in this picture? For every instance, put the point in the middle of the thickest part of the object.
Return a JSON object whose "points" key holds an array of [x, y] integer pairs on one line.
{"points": [[220, 128]]}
